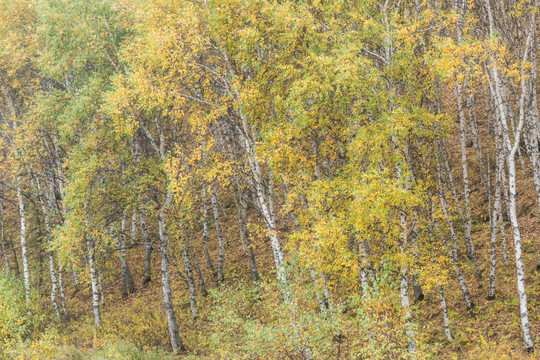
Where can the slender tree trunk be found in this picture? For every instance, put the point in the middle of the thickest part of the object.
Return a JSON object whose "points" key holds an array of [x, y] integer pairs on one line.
{"points": [[520, 268], [494, 222], [126, 272], [320, 300], [368, 266], [4, 253], [470, 101], [269, 220], [52, 271], [363, 269], [59, 185], [404, 295], [241, 201], [328, 301], [202, 284], [493, 254], [120, 244], [221, 238], [417, 288], [503, 187], [62, 292], [90, 245], [54, 285], [76, 280], [191, 281], [174, 334], [471, 253], [450, 180], [445, 313], [323, 294], [53, 207], [41, 258], [404, 269], [147, 277], [452, 252], [503, 235], [134, 228], [240, 226], [24, 250], [205, 233], [247, 238], [100, 288], [512, 148]]}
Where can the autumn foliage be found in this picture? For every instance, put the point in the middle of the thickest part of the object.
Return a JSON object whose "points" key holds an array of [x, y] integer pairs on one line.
{"points": [[259, 179]]}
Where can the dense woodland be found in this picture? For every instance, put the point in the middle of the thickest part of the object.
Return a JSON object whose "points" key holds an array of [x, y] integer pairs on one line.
{"points": [[269, 179]]}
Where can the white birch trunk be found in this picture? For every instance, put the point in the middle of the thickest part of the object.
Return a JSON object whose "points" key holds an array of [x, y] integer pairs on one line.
{"points": [[445, 313], [24, 249], [62, 292], [174, 334], [52, 271], [512, 150], [269, 220], [90, 245], [494, 222]]}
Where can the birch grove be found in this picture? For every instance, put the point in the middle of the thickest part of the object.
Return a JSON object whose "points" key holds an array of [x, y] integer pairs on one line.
{"points": [[269, 179]]}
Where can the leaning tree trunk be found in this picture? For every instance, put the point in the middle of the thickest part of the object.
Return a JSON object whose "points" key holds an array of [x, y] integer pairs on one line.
{"points": [[202, 284], [174, 334], [512, 148], [452, 251], [249, 148], [241, 202]]}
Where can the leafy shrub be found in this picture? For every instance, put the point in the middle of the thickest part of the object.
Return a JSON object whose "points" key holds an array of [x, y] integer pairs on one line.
{"points": [[254, 323], [46, 347], [145, 327], [18, 320]]}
